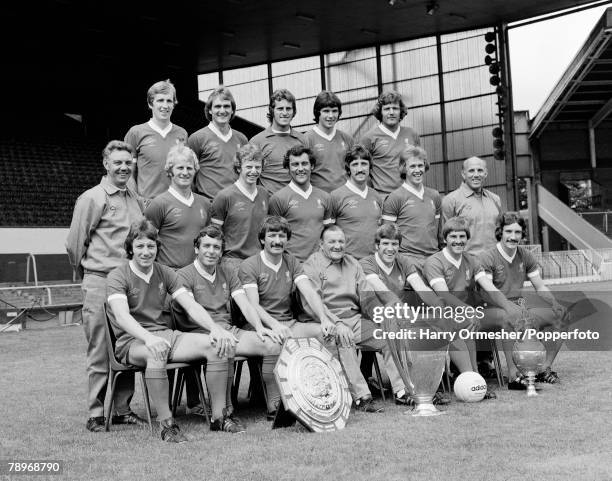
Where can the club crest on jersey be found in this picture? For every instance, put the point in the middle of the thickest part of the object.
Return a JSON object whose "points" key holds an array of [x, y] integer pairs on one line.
{"points": [[294, 204], [113, 209], [202, 213], [162, 290], [343, 144], [263, 203], [287, 277], [376, 204], [319, 204], [224, 286], [467, 275], [521, 266]]}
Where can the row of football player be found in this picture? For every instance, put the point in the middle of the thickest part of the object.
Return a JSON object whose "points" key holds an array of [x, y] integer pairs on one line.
{"points": [[216, 144]]}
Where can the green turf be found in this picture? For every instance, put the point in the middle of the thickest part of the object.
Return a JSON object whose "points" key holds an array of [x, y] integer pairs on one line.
{"points": [[564, 434]]}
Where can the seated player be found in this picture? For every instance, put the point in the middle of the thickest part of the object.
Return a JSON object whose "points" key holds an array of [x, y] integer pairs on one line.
{"points": [[341, 281], [213, 287], [501, 273], [386, 270], [305, 207], [240, 208], [415, 208], [355, 207], [270, 278], [136, 292], [178, 213], [451, 274]]}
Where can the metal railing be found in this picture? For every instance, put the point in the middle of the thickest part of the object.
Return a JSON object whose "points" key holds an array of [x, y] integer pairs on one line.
{"points": [[45, 291]]}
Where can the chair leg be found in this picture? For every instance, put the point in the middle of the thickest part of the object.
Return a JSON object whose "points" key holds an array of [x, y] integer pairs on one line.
{"points": [[379, 377], [263, 384], [177, 388], [145, 395], [202, 396], [113, 382], [236, 383], [497, 363]]}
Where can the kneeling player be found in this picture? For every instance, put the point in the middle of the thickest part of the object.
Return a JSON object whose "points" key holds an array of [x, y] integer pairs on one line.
{"points": [[136, 293], [501, 273], [213, 286]]}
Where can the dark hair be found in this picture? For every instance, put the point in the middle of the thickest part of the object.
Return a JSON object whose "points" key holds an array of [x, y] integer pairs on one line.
{"points": [[455, 224], [274, 223], [357, 151], [141, 228], [411, 153], [212, 231], [325, 99], [224, 93], [389, 97], [297, 151], [388, 231], [246, 153], [330, 228], [508, 218], [280, 94]]}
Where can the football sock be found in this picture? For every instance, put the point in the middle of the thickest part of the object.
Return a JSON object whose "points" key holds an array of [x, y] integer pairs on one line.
{"points": [[216, 379], [157, 384]]}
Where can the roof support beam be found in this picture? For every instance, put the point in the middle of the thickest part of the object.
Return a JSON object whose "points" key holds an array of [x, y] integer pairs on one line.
{"points": [[601, 114]]}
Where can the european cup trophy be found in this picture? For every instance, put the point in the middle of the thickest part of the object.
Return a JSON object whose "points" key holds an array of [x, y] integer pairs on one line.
{"points": [[420, 361], [528, 354]]}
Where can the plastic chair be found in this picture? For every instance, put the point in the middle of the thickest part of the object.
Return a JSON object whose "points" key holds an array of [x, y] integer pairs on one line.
{"points": [[116, 369]]}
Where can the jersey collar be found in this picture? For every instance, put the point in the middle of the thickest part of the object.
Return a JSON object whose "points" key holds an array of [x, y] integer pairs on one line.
{"points": [[267, 263], [381, 264], [224, 137], [162, 132], [209, 277], [412, 190], [386, 131], [175, 193], [300, 192], [247, 194], [503, 253], [450, 258], [137, 273], [353, 188], [328, 137]]}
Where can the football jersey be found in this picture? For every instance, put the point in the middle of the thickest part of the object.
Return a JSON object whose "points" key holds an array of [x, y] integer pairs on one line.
{"points": [[459, 280], [329, 172], [307, 212], [395, 278], [274, 284]]}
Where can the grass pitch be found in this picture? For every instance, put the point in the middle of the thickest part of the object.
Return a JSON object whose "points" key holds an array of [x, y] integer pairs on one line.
{"points": [[564, 434]]}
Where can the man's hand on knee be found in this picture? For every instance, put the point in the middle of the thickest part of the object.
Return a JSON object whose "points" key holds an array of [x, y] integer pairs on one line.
{"points": [[158, 347]]}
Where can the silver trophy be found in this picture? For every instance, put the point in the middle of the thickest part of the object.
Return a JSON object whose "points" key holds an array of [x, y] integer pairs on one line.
{"points": [[528, 354], [419, 361]]}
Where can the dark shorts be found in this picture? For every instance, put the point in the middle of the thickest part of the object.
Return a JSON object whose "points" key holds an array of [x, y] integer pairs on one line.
{"points": [[122, 349]]}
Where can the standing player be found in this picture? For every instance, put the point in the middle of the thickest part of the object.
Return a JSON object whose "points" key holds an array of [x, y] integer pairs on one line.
{"points": [[136, 295], [240, 208], [100, 223], [501, 272], [355, 207], [153, 139], [216, 144], [270, 279], [277, 139], [415, 208], [451, 274], [329, 144], [477, 204], [214, 287], [178, 213], [304, 206], [387, 141]]}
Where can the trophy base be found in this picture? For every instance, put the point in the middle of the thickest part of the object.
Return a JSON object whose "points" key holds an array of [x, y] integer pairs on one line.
{"points": [[425, 410]]}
